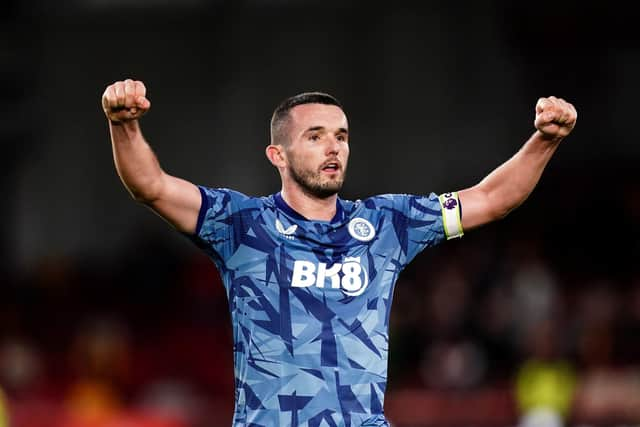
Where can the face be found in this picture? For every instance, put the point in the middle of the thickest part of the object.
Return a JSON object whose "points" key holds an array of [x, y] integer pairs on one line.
{"points": [[319, 148]]}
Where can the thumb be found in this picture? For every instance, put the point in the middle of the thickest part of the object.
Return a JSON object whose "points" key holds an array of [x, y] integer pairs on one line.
{"points": [[143, 103]]}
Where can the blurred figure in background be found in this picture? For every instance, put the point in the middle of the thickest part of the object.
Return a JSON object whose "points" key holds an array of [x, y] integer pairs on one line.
{"points": [[451, 359], [610, 384], [546, 378], [100, 360], [25, 382], [21, 370], [595, 324], [546, 381]]}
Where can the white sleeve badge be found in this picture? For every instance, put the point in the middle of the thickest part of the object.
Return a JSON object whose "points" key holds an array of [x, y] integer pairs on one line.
{"points": [[451, 220]]}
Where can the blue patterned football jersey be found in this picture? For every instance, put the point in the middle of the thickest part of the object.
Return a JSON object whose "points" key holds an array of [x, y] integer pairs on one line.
{"points": [[310, 300]]}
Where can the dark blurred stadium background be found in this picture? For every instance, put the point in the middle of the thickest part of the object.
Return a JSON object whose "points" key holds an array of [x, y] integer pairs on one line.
{"points": [[109, 318]]}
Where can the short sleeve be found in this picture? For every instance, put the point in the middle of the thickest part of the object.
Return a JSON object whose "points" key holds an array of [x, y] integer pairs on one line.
{"points": [[215, 221], [424, 223], [419, 221]]}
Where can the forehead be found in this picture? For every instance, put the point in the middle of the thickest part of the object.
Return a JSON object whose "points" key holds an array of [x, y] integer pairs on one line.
{"points": [[312, 115]]}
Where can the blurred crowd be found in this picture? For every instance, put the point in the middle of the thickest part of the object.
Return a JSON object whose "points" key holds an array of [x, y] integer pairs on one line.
{"points": [[142, 340], [533, 321]]}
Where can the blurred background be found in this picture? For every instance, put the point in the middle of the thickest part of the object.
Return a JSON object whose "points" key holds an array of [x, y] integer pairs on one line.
{"points": [[110, 318]]}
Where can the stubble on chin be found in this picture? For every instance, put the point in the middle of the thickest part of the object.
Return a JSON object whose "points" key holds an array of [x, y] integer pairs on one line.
{"points": [[311, 183]]}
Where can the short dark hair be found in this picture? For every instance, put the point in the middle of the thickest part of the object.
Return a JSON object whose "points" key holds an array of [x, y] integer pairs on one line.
{"points": [[280, 117]]}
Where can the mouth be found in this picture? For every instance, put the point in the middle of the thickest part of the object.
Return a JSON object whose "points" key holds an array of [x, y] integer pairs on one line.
{"points": [[331, 167]]}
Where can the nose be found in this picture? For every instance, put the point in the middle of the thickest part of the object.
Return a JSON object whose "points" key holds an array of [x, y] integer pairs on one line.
{"points": [[333, 146]]}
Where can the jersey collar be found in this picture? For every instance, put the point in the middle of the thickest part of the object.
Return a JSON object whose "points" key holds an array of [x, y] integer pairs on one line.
{"points": [[282, 205]]}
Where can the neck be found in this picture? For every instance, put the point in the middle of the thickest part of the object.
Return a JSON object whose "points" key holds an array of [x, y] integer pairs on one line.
{"points": [[310, 207]]}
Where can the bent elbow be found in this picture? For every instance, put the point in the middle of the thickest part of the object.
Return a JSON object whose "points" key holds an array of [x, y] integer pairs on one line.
{"points": [[501, 213], [142, 196], [503, 203]]}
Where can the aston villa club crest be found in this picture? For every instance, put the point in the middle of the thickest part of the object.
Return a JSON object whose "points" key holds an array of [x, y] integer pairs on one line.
{"points": [[361, 229]]}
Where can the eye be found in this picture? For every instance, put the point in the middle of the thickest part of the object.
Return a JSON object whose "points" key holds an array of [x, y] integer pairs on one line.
{"points": [[314, 137], [341, 138]]}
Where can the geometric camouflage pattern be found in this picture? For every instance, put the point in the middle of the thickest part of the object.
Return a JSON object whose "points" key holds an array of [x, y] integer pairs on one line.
{"points": [[310, 301]]}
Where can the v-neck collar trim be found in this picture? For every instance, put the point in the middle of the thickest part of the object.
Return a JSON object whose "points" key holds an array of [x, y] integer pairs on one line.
{"points": [[281, 204]]}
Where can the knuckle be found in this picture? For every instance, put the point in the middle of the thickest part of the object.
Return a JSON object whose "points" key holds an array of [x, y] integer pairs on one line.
{"points": [[139, 86]]}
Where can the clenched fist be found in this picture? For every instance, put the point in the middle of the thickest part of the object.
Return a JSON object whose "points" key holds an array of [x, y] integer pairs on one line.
{"points": [[555, 117], [125, 101]]}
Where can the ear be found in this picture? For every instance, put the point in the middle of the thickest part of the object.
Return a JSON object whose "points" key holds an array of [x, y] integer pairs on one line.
{"points": [[275, 154]]}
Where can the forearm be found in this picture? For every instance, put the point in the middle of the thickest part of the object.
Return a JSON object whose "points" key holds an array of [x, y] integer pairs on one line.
{"points": [[135, 162], [509, 185]]}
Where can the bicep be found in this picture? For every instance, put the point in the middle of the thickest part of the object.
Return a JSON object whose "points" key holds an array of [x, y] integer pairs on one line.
{"points": [[477, 209], [179, 203]]}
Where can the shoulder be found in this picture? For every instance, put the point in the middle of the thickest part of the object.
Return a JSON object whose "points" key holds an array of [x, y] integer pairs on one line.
{"points": [[388, 201], [398, 204], [227, 196]]}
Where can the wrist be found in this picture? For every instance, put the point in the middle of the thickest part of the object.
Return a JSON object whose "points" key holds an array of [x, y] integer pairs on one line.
{"points": [[128, 125], [546, 137]]}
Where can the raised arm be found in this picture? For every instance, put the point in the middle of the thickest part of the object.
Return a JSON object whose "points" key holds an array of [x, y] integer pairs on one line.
{"points": [[509, 185], [174, 199]]}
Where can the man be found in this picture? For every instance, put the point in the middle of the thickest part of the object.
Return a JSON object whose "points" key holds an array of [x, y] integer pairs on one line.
{"points": [[309, 276]]}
